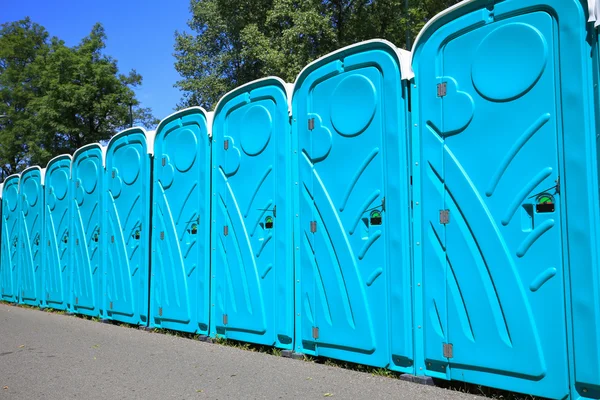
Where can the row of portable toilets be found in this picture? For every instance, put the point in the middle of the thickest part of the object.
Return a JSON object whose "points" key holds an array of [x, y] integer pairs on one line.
{"points": [[440, 223]]}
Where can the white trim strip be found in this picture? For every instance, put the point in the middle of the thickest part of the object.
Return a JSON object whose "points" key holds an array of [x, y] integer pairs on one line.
{"points": [[594, 12], [210, 119]]}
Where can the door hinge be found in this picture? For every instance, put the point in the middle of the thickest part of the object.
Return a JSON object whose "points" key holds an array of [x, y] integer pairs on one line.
{"points": [[274, 211], [164, 161], [313, 226], [315, 332], [448, 350], [76, 242], [558, 185], [76, 300], [162, 235], [160, 311], [383, 204], [77, 184], [112, 239], [311, 124], [114, 174], [226, 144], [225, 319], [225, 230], [444, 217], [442, 89], [111, 305]]}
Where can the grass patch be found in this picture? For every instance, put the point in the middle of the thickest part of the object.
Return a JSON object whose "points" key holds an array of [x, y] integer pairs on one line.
{"points": [[276, 352], [256, 348], [375, 371], [170, 332]]}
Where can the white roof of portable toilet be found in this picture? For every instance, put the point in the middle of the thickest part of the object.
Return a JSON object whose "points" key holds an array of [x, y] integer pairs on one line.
{"points": [[594, 12]]}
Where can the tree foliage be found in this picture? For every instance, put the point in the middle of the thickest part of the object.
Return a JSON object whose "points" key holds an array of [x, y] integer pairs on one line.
{"points": [[235, 42], [55, 98]]}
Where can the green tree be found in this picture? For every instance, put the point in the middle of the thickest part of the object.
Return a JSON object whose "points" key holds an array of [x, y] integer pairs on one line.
{"points": [[235, 42], [21, 43], [57, 98]]}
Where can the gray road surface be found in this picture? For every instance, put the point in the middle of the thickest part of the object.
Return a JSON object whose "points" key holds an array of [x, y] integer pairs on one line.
{"points": [[51, 356]]}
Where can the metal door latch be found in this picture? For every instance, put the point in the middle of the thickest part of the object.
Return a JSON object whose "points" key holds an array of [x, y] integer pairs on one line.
{"points": [[444, 217], [442, 89], [448, 350], [315, 332]]}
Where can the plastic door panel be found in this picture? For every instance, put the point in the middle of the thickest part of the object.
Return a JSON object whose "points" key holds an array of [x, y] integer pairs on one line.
{"points": [[31, 218], [9, 271], [85, 240], [492, 198], [57, 219], [252, 264], [353, 225], [179, 292], [127, 227]]}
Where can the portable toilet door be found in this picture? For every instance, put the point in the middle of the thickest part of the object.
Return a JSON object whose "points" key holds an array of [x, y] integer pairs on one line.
{"points": [[31, 194], [126, 259], [179, 289], [503, 142], [55, 281], [252, 258], [352, 236], [85, 239], [9, 263]]}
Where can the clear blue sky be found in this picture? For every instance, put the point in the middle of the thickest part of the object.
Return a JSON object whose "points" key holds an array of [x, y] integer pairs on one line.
{"points": [[140, 35]]}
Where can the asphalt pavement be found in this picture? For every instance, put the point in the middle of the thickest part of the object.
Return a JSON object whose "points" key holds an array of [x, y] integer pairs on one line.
{"points": [[52, 356]]}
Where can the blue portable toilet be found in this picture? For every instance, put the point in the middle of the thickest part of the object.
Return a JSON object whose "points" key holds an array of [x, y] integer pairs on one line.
{"points": [[179, 289], [126, 233], [57, 218], [9, 262], [252, 258], [506, 198], [352, 231], [31, 218], [85, 239]]}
